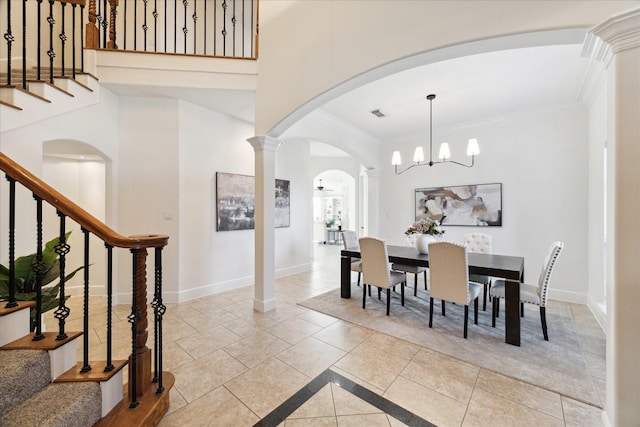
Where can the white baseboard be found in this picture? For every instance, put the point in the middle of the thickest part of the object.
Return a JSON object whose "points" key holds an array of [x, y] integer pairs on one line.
{"points": [[598, 313], [568, 296]]}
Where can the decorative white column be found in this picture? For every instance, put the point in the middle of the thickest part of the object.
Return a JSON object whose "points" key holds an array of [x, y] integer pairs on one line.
{"points": [[621, 37], [265, 171], [373, 205]]}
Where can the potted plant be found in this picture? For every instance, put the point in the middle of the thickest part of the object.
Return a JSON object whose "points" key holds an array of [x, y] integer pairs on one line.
{"points": [[428, 230], [25, 278]]}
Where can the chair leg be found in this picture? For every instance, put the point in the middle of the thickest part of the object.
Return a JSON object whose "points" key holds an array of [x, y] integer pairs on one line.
{"points": [[521, 309], [475, 311], [389, 299], [543, 319], [484, 298], [402, 292], [369, 290], [466, 319], [359, 274], [364, 295], [498, 308], [494, 308], [430, 312], [415, 285], [425, 280], [379, 297], [442, 307]]}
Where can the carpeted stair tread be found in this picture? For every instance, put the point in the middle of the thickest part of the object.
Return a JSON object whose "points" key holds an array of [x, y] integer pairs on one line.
{"points": [[23, 373], [76, 404]]}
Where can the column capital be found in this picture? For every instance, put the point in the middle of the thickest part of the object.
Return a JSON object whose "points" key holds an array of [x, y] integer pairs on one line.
{"points": [[620, 32], [264, 143], [373, 173]]}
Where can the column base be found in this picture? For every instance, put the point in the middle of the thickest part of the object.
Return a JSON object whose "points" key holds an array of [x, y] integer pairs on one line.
{"points": [[264, 305]]}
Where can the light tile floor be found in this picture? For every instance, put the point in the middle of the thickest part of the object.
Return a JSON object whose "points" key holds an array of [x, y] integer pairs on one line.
{"points": [[233, 365]]}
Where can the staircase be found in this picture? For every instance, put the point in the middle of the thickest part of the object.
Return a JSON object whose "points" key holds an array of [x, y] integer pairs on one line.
{"points": [[42, 382], [41, 98]]}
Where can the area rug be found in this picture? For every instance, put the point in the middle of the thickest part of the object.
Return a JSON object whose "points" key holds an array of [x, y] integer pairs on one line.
{"points": [[558, 365]]}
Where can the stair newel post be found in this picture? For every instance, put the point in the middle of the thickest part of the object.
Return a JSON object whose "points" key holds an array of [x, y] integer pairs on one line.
{"points": [[140, 359], [51, 53], [105, 23], [62, 249], [112, 25], [109, 367], [12, 244], [85, 312], [39, 268], [158, 310], [93, 34]]}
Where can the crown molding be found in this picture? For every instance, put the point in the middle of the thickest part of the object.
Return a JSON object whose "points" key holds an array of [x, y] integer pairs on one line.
{"points": [[264, 143], [621, 32]]}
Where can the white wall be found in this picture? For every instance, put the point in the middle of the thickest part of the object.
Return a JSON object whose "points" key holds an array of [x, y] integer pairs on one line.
{"points": [[541, 161]]}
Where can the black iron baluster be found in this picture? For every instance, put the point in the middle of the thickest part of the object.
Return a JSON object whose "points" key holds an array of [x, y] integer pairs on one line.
{"points": [[133, 319], [73, 41], [24, 44], [10, 39], [63, 36], [39, 43], [105, 24], [243, 26], [135, 25], [62, 249], [185, 3], [158, 310], [166, 13], [51, 52], [155, 25], [205, 28], [85, 315], [12, 244], [215, 27], [99, 22], [233, 22], [144, 24], [195, 21], [224, 27], [39, 268], [124, 45], [253, 30], [175, 26], [109, 366], [81, 38]]}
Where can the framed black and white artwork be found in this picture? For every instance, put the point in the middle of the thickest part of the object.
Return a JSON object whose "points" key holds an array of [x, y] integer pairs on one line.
{"points": [[478, 205], [235, 202]]}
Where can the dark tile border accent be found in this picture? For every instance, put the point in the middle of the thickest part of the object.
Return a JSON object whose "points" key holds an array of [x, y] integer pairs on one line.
{"points": [[279, 414]]}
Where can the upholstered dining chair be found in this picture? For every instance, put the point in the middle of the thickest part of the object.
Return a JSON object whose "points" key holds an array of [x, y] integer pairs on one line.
{"points": [[480, 243], [531, 294], [350, 243], [449, 279], [416, 271], [376, 270]]}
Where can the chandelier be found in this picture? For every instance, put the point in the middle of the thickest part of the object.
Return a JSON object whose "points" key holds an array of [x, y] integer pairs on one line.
{"points": [[444, 155]]}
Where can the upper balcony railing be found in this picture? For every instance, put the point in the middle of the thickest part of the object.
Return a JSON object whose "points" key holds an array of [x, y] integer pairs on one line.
{"points": [[42, 40]]}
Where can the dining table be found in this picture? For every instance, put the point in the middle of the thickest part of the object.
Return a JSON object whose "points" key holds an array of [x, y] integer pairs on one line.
{"points": [[507, 267]]}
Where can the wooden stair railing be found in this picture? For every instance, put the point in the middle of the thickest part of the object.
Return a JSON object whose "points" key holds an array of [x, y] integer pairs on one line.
{"points": [[141, 375]]}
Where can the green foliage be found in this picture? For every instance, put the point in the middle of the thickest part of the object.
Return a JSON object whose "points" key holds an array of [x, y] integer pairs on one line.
{"points": [[25, 278]]}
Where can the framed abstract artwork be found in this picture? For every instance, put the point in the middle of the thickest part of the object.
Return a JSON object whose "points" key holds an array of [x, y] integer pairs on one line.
{"points": [[235, 202], [478, 205]]}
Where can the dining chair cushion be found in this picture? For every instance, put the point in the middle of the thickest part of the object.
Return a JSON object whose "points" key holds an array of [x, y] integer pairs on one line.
{"points": [[350, 240], [528, 293], [414, 269], [356, 266]]}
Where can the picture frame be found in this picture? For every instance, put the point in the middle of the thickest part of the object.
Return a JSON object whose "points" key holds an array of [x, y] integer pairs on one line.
{"points": [[475, 205], [235, 202]]}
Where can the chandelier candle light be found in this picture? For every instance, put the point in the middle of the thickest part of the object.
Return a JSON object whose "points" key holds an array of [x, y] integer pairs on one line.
{"points": [[444, 154]]}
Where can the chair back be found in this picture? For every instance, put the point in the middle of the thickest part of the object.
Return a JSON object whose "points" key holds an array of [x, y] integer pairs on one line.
{"points": [[375, 262], [479, 242], [547, 269], [449, 272], [350, 240]]}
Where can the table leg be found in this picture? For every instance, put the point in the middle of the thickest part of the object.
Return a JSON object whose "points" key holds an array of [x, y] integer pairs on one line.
{"points": [[345, 277], [512, 312]]}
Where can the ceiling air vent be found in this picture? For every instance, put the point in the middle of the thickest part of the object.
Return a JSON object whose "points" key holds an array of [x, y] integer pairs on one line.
{"points": [[378, 113]]}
